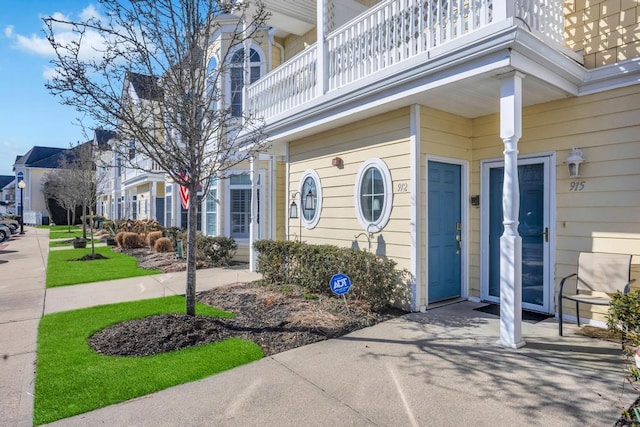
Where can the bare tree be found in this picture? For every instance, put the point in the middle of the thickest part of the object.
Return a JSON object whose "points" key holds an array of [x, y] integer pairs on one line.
{"points": [[74, 184], [58, 186], [182, 121]]}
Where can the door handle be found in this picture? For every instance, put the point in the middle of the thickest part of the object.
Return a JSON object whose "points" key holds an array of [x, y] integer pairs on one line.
{"points": [[458, 239], [546, 234]]}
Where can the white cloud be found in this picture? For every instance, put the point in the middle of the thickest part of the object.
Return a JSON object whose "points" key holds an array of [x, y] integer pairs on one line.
{"points": [[92, 42], [49, 73], [34, 44], [90, 12]]}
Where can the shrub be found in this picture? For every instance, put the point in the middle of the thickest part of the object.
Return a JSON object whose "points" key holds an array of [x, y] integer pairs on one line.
{"points": [[139, 225], [374, 279], [217, 250], [163, 244], [173, 234], [119, 238], [132, 241], [624, 317], [152, 237]]}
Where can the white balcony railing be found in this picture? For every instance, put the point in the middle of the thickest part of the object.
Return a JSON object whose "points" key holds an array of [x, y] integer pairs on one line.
{"points": [[387, 34], [147, 166], [291, 84]]}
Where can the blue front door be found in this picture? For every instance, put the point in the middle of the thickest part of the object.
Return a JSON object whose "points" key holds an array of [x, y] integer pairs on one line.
{"points": [[445, 231], [533, 229]]}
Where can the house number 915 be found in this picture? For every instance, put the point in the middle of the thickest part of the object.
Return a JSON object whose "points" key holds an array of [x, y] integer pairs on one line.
{"points": [[576, 185]]}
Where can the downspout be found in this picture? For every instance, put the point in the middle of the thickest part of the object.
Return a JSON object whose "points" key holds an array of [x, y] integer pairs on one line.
{"points": [[253, 226], [273, 42], [287, 189]]}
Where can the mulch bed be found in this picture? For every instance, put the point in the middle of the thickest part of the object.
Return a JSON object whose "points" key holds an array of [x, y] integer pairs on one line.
{"points": [[274, 320]]}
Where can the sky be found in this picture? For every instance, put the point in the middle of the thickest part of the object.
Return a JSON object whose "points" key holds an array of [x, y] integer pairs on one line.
{"points": [[29, 114]]}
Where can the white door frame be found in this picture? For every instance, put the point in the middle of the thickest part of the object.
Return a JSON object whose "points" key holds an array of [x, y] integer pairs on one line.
{"points": [[549, 159], [227, 203], [464, 219]]}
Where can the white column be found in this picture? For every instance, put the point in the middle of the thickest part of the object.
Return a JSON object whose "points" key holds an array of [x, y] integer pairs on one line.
{"points": [[152, 200], [322, 63], [414, 188], [510, 241], [253, 227]]}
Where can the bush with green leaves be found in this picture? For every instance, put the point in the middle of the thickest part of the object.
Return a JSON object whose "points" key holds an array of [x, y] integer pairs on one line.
{"points": [[623, 317], [217, 250], [374, 279], [174, 234]]}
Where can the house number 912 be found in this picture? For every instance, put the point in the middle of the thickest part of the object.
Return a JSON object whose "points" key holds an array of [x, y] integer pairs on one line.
{"points": [[401, 187], [576, 185]]}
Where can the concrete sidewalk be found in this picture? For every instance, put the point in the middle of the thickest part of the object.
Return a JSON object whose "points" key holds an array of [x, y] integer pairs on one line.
{"points": [[440, 368], [136, 288], [22, 292]]}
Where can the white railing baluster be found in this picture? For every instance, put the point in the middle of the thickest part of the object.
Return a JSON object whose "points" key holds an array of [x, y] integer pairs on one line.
{"points": [[390, 32]]}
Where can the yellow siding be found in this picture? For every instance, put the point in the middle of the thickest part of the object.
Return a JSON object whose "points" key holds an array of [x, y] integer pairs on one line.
{"points": [[385, 137], [605, 215], [295, 44], [607, 31], [281, 200]]}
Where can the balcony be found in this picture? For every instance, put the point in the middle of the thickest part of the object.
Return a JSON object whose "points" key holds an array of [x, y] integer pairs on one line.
{"points": [[149, 171], [386, 35]]}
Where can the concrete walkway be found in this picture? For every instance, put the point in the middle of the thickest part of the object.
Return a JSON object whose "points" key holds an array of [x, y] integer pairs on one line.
{"points": [[440, 368]]}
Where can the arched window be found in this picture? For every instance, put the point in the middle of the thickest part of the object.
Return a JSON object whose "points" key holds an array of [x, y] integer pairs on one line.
{"points": [[237, 77], [374, 195]]}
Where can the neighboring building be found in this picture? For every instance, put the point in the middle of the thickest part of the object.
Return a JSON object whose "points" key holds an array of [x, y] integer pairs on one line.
{"points": [[138, 188], [420, 125], [31, 168], [7, 194]]}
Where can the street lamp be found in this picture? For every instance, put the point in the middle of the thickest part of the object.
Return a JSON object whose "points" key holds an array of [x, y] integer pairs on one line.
{"points": [[21, 186]]}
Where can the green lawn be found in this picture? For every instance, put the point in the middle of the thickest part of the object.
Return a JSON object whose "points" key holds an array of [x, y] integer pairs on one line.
{"points": [[59, 228], [71, 378], [55, 244], [61, 271]]}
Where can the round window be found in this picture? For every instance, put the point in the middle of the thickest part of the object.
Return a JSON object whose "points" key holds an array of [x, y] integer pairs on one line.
{"points": [[374, 197]]}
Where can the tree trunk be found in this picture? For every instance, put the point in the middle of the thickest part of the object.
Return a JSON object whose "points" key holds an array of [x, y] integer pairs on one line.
{"points": [[191, 249], [84, 221], [93, 246], [69, 220]]}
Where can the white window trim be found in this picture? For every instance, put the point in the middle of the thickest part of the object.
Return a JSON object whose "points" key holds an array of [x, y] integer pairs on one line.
{"points": [[377, 226], [227, 77], [310, 224], [216, 187]]}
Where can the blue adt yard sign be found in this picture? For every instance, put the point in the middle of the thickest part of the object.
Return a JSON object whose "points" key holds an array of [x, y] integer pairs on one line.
{"points": [[340, 284]]}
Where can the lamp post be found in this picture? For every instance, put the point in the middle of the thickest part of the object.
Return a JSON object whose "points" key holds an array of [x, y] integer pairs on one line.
{"points": [[21, 186]]}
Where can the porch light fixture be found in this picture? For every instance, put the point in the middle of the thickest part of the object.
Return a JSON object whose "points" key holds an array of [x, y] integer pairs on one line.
{"points": [[573, 162], [308, 205], [337, 162]]}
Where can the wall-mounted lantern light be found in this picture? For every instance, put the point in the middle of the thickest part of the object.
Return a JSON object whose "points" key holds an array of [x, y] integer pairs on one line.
{"points": [[573, 162], [337, 162]]}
